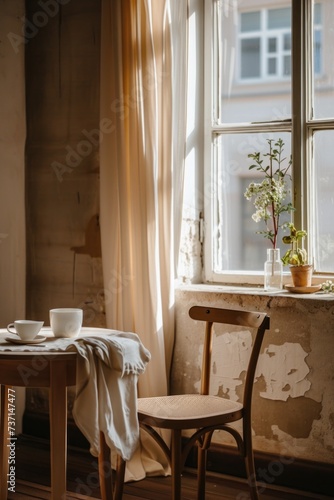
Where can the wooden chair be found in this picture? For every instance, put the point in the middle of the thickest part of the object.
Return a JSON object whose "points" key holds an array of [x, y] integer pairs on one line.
{"points": [[204, 413]]}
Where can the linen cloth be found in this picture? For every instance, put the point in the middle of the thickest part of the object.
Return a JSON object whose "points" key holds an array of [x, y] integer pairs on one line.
{"points": [[106, 390], [108, 365]]}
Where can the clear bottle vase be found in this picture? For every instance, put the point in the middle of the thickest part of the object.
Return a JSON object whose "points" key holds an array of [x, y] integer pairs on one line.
{"points": [[273, 270]]}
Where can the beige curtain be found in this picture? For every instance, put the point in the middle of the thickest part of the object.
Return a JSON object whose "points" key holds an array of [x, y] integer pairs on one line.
{"points": [[139, 160]]}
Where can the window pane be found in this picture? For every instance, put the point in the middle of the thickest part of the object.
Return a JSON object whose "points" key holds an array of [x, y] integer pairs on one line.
{"points": [[272, 44], [317, 52], [317, 13], [323, 229], [250, 21], [250, 58], [279, 18], [287, 41], [237, 245], [287, 65], [272, 66], [323, 71], [248, 90]]}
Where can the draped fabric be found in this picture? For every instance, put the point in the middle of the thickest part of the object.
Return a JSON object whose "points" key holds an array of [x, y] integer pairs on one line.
{"points": [[142, 144]]}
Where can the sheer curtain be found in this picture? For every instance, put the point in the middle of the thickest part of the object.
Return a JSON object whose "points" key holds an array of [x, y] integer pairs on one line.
{"points": [[142, 130]]}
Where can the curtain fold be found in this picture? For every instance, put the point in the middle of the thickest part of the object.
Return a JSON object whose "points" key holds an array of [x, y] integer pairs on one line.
{"points": [[140, 149]]}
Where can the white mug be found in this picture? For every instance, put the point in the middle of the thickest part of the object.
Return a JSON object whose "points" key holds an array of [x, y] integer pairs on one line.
{"points": [[26, 329], [66, 322]]}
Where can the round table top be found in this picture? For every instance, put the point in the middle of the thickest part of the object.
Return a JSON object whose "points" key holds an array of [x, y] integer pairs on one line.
{"points": [[11, 345]]}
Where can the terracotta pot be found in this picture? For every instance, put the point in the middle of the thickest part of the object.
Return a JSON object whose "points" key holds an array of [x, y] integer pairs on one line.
{"points": [[301, 275]]}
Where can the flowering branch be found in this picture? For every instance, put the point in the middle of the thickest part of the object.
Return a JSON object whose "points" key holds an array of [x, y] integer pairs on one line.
{"points": [[270, 194]]}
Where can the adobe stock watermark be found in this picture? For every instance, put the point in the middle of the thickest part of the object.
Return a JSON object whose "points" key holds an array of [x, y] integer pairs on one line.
{"points": [[120, 107], [84, 148], [92, 481], [40, 18], [36, 365], [267, 476], [118, 281]]}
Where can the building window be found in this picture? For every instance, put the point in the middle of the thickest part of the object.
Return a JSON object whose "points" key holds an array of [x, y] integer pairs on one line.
{"points": [[265, 44], [269, 75]]}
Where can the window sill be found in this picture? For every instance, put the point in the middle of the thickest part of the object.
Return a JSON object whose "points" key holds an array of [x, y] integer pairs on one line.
{"points": [[252, 290]]}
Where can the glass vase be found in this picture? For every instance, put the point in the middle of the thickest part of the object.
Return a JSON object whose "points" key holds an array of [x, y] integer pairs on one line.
{"points": [[273, 270]]}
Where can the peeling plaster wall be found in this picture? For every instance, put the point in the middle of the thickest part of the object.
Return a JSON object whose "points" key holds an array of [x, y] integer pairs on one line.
{"points": [[293, 411]]}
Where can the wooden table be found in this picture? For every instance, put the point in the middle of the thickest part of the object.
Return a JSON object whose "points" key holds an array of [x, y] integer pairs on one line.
{"points": [[42, 368]]}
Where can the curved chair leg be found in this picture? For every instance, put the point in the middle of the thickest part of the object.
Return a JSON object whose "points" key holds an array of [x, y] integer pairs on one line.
{"points": [[249, 460], [176, 464], [251, 476], [201, 473]]}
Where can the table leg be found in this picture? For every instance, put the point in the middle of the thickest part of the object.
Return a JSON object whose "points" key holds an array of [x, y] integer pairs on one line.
{"points": [[58, 429], [4, 449], [105, 472], [119, 480]]}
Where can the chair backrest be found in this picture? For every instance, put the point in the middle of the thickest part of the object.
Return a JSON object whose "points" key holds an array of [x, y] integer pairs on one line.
{"points": [[252, 320]]}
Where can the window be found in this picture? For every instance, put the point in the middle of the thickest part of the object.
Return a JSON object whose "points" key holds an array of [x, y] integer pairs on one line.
{"points": [[264, 82], [265, 44]]}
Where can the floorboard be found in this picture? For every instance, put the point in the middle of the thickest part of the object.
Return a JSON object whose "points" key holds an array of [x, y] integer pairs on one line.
{"points": [[33, 480]]}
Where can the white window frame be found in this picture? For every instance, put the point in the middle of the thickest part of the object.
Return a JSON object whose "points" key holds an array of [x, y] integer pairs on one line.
{"points": [[300, 126]]}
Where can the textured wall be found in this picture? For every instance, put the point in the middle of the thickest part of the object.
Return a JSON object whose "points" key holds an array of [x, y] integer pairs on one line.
{"points": [[62, 164], [12, 142], [294, 391]]}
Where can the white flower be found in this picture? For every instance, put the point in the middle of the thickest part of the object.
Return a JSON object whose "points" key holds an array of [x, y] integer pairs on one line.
{"points": [[269, 195]]}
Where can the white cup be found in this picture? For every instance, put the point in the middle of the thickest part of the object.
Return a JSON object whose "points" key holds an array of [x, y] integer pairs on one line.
{"points": [[26, 329], [66, 322]]}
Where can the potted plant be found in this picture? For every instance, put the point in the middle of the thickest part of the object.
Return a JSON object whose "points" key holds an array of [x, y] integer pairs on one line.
{"points": [[269, 198], [296, 257]]}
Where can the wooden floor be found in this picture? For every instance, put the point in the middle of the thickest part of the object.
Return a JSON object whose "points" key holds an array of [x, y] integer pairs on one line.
{"points": [[33, 480]]}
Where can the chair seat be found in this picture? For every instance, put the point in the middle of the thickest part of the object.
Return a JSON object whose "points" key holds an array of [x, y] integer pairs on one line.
{"points": [[192, 410]]}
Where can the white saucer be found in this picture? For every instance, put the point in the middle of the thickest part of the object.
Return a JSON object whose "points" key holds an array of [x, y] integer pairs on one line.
{"points": [[303, 289], [16, 340]]}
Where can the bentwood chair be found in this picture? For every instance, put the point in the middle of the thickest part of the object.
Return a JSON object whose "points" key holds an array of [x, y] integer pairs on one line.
{"points": [[204, 413]]}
